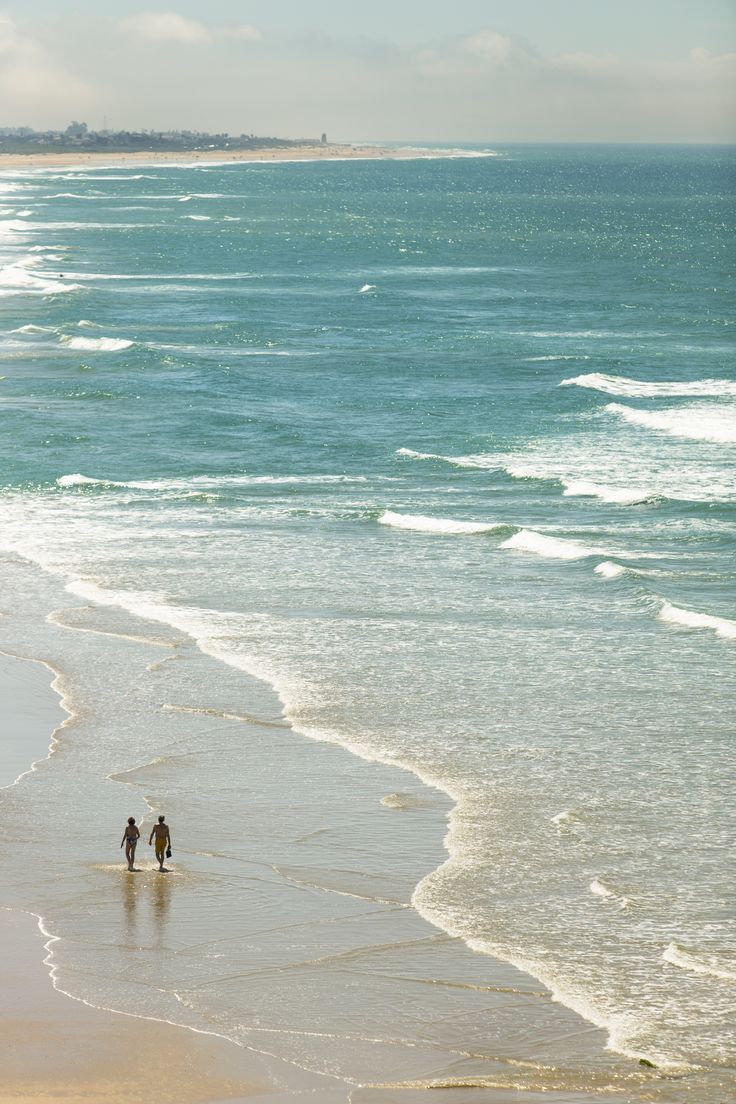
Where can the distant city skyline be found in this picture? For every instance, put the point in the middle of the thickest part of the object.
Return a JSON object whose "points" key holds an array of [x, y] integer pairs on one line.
{"points": [[473, 71]]}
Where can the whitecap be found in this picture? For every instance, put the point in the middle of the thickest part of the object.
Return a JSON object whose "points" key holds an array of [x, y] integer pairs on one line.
{"points": [[568, 356], [610, 570], [367, 287], [600, 889], [619, 495], [197, 482], [697, 423], [198, 218], [633, 388], [444, 526], [692, 620], [15, 279], [526, 540], [32, 329], [480, 461], [697, 963], [96, 344]]}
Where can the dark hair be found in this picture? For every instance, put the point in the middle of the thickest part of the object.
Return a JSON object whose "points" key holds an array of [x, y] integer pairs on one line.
{"points": [[160, 820], [131, 820]]}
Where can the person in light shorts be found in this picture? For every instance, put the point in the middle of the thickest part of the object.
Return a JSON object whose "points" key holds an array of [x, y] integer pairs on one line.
{"points": [[163, 840]]}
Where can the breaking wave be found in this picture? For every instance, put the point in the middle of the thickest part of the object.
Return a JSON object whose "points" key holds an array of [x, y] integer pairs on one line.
{"points": [[619, 495], [642, 389], [96, 344], [697, 423], [527, 540], [698, 964], [692, 620], [447, 526]]}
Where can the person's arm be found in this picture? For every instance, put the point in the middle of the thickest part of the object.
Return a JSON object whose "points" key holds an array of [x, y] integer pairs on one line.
{"points": [[123, 839], [150, 838], [168, 836]]}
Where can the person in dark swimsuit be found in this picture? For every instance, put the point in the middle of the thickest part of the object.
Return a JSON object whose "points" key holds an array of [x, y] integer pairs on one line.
{"points": [[130, 839]]}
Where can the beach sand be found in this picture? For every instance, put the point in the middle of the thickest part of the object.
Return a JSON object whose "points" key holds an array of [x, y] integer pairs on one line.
{"points": [[58, 1049], [100, 159], [30, 713]]}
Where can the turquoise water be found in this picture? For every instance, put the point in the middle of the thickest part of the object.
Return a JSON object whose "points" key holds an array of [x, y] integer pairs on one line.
{"points": [[443, 451]]}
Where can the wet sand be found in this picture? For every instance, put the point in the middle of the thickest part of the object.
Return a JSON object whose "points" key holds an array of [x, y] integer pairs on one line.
{"points": [[30, 713], [59, 1049]]}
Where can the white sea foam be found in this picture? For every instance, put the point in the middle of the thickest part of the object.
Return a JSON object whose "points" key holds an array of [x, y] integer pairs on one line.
{"points": [[9, 226], [697, 963], [480, 461], [568, 356], [198, 482], [198, 218], [632, 388], [692, 620], [368, 287], [600, 889], [610, 570], [32, 329], [619, 495], [443, 526], [15, 280], [85, 322], [697, 423], [526, 540], [96, 344]]}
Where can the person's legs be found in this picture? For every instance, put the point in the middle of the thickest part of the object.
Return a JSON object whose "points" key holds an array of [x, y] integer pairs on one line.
{"points": [[160, 851], [129, 854]]}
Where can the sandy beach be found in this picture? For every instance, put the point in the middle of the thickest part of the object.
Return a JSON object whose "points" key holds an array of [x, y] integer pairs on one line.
{"points": [[59, 1049], [214, 156]]}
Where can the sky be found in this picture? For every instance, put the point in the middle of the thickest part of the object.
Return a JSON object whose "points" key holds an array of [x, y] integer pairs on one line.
{"points": [[479, 71]]}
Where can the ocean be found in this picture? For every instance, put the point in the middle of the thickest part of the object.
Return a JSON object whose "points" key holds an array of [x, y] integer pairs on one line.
{"points": [[348, 496]]}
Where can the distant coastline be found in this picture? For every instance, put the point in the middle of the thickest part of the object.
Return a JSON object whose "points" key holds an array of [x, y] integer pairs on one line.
{"points": [[101, 158]]}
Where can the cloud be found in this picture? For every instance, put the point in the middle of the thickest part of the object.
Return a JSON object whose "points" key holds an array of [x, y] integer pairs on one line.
{"points": [[31, 77], [489, 46], [171, 27]]}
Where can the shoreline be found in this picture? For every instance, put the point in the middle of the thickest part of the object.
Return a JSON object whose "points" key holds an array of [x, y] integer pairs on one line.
{"points": [[60, 1048], [527, 1024], [101, 159], [35, 731]]}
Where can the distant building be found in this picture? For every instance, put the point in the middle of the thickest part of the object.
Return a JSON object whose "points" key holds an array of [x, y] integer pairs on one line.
{"points": [[324, 139], [76, 130]]}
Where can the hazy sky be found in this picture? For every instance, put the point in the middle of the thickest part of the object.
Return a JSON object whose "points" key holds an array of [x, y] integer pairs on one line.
{"points": [[453, 70]]}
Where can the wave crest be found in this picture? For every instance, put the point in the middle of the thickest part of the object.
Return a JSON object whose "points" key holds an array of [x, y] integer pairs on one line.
{"points": [[642, 389], [96, 344], [698, 964], [692, 620], [527, 540], [696, 423], [443, 526]]}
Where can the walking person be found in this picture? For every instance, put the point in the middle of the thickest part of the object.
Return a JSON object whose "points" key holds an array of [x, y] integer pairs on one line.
{"points": [[130, 839], [163, 841]]}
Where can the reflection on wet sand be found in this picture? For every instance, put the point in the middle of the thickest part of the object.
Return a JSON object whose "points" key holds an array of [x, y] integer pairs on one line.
{"points": [[160, 902]]}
